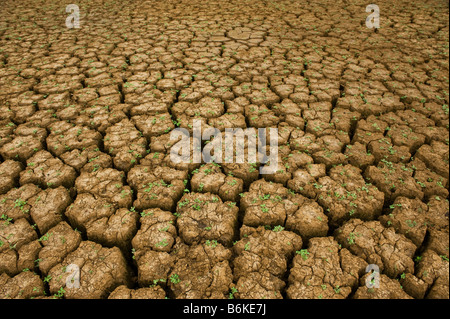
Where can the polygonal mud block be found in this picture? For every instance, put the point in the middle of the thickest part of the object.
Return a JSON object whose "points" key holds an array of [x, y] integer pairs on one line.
{"points": [[103, 221], [106, 183], [57, 243], [100, 270], [14, 236], [9, 175], [201, 271], [157, 231], [324, 270], [46, 171], [206, 217], [26, 285], [373, 242]]}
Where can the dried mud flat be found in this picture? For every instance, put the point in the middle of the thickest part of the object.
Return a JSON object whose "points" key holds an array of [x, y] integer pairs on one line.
{"points": [[86, 177]]}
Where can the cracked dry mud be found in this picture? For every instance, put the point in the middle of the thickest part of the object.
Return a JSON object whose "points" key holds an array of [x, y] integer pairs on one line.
{"points": [[86, 178]]}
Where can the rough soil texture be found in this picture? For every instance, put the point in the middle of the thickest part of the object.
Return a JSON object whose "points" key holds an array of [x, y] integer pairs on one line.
{"points": [[87, 181]]}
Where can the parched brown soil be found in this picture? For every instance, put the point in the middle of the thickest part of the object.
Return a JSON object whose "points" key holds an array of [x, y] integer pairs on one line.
{"points": [[87, 182]]}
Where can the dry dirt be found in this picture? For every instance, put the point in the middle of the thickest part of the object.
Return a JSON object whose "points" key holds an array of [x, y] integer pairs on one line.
{"points": [[86, 178]]}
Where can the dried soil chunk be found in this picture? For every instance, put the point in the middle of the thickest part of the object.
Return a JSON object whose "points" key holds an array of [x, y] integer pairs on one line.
{"points": [[100, 117], [403, 135], [30, 129], [383, 150], [431, 183], [438, 241], [15, 204], [394, 179], [408, 218], [289, 163], [262, 95], [259, 285], [344, 194], [389, 289], [85, 95], [261, 261], [149, 96], [308, 221], [248, 172], [6, 131], [237, 105], [228, 120], [206, 217], [162, 143], [103, 221], [21, 148], [99, 80], [368, 130], [437, 215], [66, 137], [157, 231], [58, 243], [125, 144], [207, 107], [201, 271], [436, 157], [101, 271], [378, 245], [158, 167], [324, 271], [299, 160], [422, 125], [438, 226], [210, 179], [260, 116], [330, 149], [23, 286], [153, 266], [153, 125], [279, 174], [344, 119], [262, 249], [302, 182], [122, 292], [155, 189], [241, 154], [13, 236], [149, 108], [47, 207], [22, 112], [54, 101], [42, 118], [46, 171], [9, 175], [105, 183], [359, 156], [89, 160], [116, 230], [28, 256], [413, 286], [267, 203], [434, 271], [289, 111]]}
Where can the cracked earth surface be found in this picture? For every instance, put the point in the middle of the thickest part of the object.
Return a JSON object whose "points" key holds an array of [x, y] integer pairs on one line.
{"points": [[86, 178]]}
